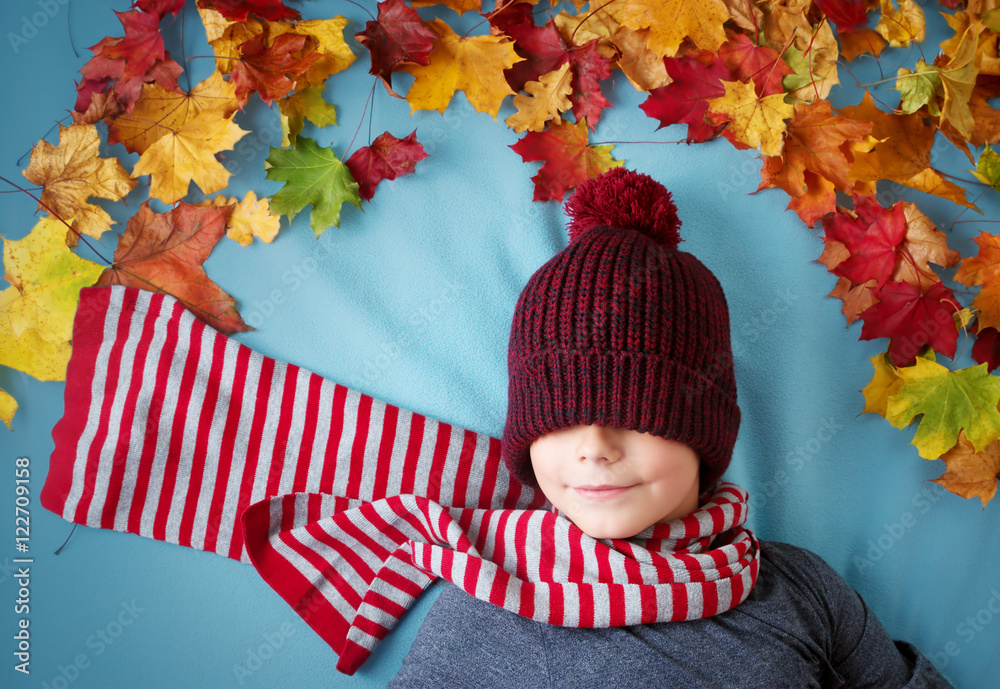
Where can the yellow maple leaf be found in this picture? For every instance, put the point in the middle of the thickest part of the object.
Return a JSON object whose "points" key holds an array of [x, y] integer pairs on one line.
{"points": [[28, 351], [753, 121], [159, 111], [472, 64], [226, 36], [188, 154], [671, 21], [47, 277], [959, 79], [250, 218], [547, 98], [296, 108], [971, 474], [8, 405], [580, 29], [74, 171], [640, 65], [884, 382], [902, 26]]}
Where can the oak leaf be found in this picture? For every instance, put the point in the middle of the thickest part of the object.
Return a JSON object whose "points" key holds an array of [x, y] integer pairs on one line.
{"points": [[902, 154], [685, 99], [187, 154], [984, 269], [971, 474], [48, 278], [911, 318], [74, 171], [307, 104], [386, 158], [164, 252], [249, 218], [567, 156], [269, 69], [158, 111], [902, 26], [398, 35], [752, 121], [671, 21], [949, 401], [545, 101], [472, 64], [315, 176]]}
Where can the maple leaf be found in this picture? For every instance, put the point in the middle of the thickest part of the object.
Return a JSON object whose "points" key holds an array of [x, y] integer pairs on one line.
{"points": [[187, 154], [856, 298], [640, 65], [685, 99], [958, 79], [923, 244], [752, 121], [589, 68], [671, 21], [249, 218], [472, 64], [919, 87], [267, 69], [911, 319], [760, 64], [330, 50], [397, 36], [160, 8], [949, 401], [546, 100], [902, 26], [903, 154], [822, 143], [312, 175], [971, 474], [8, 405], [984, 269], [386, 158], [986, 350], [885, 382], [848, 15], [460, 6], [239, 10], [48, 278], [28, 351], [164, 252], [988, 168], [567, 156], [854, 43], [870, 234], [811, 51], [542, 48], [158, 111], [74, 171], [300, 106]]}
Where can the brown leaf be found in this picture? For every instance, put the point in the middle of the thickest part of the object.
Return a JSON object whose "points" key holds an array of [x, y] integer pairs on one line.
{"points": [[971, 474]]}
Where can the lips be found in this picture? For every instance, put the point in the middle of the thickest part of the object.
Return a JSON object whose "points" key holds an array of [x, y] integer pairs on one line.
{"points": [[601, 492]]}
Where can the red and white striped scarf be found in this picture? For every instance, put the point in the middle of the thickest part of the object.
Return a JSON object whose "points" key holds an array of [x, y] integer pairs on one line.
{"points": [[347, 506]]}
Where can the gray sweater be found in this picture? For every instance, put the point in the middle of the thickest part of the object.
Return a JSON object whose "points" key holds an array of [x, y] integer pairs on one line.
{"points": [[802, 626]]}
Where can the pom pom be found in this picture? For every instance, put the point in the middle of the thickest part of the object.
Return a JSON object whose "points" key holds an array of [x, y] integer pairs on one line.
{"points": [[624, 198]]}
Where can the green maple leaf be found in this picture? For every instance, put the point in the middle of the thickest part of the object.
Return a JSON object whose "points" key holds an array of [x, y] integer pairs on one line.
{"points": [[307, 104], [919, 88], [312, 175], [988, 168], [949, 401]]}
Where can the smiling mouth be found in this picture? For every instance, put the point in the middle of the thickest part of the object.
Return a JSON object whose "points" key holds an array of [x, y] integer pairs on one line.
{"points": [[601, 492]]}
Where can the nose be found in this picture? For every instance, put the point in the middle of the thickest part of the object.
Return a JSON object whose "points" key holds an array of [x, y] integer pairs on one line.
{"points": [[597, 444]]}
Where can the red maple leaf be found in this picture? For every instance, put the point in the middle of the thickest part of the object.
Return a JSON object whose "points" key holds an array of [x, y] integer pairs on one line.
{"points": [[686, 98], [757, 62], [542, 47], [237, 10], [589, 68], [568, 158], [507, 15], [848, 15], [267, 69], [164, 252], [398, 35], [986, 350], [911, 319], [871, 234], [161, 8], [387, 158]]}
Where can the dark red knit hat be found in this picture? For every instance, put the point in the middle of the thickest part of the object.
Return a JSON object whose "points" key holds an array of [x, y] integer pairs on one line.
{"points": [[622, 329]]}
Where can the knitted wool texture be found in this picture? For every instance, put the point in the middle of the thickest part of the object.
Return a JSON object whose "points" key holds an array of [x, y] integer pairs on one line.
{"points": [[622, 329]]}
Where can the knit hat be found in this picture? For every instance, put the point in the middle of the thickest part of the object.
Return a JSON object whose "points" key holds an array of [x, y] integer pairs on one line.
{"points": [[622, 329]]}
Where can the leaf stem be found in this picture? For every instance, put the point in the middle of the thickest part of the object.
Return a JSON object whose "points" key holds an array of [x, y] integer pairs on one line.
{"points": [[361, 121]]}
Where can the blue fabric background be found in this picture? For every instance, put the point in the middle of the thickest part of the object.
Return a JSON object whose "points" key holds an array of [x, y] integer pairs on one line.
{"points": [[411, 301]]}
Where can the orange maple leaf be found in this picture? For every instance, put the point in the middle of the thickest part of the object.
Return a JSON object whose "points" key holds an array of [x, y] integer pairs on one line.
{"points": [[671, 21], [971, 474], [984, 269], [165, 252]]}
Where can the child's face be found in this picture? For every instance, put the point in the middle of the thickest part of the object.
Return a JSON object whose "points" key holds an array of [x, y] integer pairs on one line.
{"points": [[614, 483]]}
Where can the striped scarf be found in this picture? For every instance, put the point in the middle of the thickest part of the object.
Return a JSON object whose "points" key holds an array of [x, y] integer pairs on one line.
{"points": [[347, 506]]}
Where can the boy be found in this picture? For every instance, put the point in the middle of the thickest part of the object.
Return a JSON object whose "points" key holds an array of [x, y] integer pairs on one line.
{"points": [[622, 410]]}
